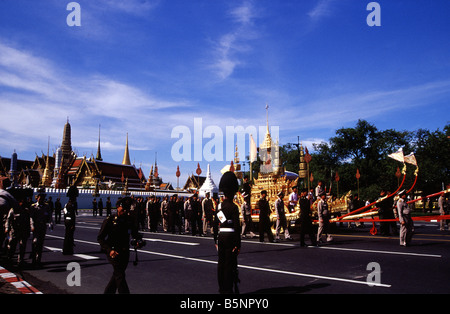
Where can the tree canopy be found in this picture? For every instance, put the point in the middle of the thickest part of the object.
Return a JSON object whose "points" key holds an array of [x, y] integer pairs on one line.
{"points": [[364, 148]]}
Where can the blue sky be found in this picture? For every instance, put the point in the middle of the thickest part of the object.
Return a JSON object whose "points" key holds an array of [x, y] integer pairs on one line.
{"points": [[145, 67]]}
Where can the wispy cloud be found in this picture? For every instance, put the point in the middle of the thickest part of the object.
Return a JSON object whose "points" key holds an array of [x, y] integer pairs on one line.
{"points": [[321, 9], [337, 110], [229, 48], [36, 98], [134, 7]]}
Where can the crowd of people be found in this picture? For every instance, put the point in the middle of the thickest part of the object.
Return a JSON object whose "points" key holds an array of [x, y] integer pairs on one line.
{"points": [[195, 215]]}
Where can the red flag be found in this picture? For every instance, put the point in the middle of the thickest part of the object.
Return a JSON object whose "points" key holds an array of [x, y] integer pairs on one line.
{"points": [[307, 155]]}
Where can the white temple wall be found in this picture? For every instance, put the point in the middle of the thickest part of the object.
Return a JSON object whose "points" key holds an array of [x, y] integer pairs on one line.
{"points": [[85, 197]]}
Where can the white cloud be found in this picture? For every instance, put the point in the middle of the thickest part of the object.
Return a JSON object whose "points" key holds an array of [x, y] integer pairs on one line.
{"points": [[322, 9], [229, 49], [333, 111], [35, 104], [135, 7]]}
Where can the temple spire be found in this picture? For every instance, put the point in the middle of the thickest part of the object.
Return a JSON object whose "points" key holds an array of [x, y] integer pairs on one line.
{"points": [[46, 177], [126, 155], [99, 153]]}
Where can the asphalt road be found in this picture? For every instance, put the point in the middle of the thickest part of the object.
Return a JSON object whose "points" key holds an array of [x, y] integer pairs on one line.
{"points": [[354, 263]]}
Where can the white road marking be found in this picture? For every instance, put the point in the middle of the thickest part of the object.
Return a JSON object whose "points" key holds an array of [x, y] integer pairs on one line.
{"points": [[173, 242], [376, 251], [83, 256], [257, 268], [271, 270]]}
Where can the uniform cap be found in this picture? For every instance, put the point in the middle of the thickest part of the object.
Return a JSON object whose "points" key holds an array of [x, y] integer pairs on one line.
{"points": [[228, 183]]}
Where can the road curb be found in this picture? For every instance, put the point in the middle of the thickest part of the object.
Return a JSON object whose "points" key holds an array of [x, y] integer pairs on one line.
{"points": [[18, 283]]}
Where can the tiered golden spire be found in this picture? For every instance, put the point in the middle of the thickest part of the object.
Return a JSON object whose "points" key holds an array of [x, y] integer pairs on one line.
{"points": [[126, 155], [46, 177]]}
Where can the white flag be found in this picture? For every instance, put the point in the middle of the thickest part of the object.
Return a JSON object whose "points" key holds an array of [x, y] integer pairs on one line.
{"points": [[398, 155], [253, 150], [411, 159]]}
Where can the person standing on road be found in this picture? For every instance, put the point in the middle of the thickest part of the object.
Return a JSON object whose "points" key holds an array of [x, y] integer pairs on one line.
{"points": [[40, 216], [264, 218], [246, 210], [70, 211], [18, 224], [196, 218], [227, 235], [405, 219], [305, 219], [443, 209], [58, 209], [281, 218], [94, 207], [293, 199], [207, 209], [165, 212], [108, 206], [324, 218], [114, 239]]}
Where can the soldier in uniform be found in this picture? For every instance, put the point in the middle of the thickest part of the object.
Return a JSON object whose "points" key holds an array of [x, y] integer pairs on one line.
{"points": [[207, 209], [153, 214], [18, 224], [196, 218], [281, 218], [165, 212], [305, 219], [227, 235], [40, 216], [264, 218], [172, 213], [385, 208], [179, 214], [114, 239], [7, 201], [246, 210], [94, 207], [324, 218], [188, 214], [58, 209], [406, 222], [108, 206], [69, 220]]}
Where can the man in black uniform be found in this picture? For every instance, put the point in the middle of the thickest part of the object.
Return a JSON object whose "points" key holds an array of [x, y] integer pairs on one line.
{"points": [[7, 201], [58, 209], [305, 219], [18, 224], [40, 216], [69, 220], [196, 218], [114, 239], [384, 208], [227, 235], [264, 218]]}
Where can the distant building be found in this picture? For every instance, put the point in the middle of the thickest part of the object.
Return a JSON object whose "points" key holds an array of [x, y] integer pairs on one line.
{"points": [[65, 168], [194, 183]]}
